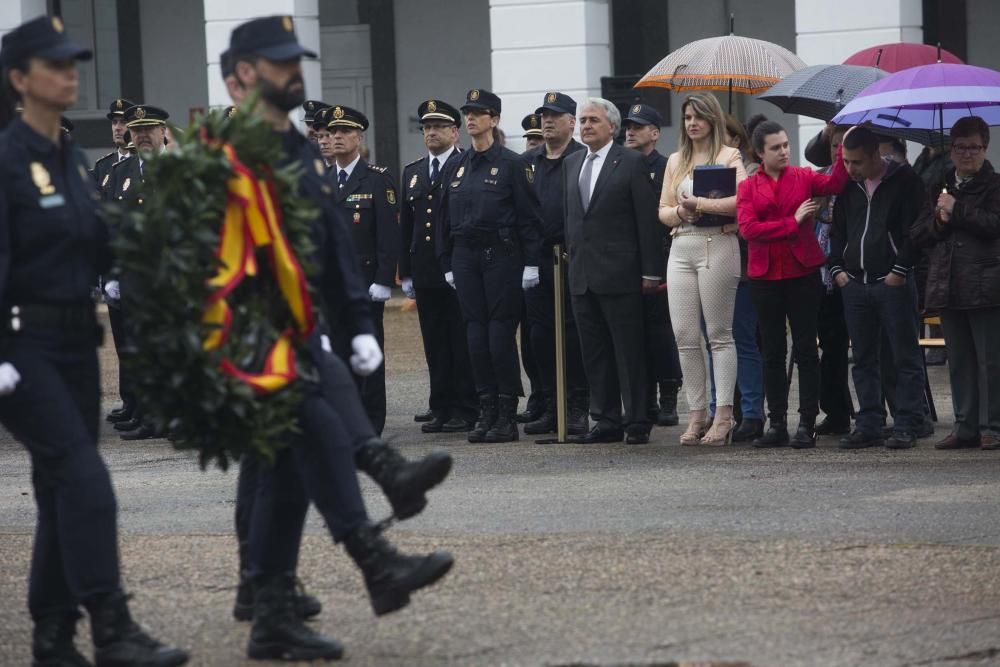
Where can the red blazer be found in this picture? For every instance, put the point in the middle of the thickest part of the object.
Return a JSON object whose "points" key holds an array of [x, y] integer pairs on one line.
{"points": [[766, 220]]}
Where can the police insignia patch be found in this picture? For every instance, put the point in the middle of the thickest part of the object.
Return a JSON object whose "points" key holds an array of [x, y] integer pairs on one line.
{"points": [[494, 171], [318, 164], [432, 106], [57, 24], [40, 176], [636, 109], [119, 104], [286, 23], [473, 95], [413, 181], [105, 181], [338, 113], [140, 113], [128, 182], [550, 98], [534, 120], [390, 196], [461, 170], [529, 173]]}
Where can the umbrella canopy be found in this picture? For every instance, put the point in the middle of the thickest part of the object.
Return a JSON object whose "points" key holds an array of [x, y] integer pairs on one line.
{"points": [[901, 55], [821, 91], [733, 63], [927, 98]]}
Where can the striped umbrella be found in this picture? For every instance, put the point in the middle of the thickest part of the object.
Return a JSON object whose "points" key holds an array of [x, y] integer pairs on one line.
{"points": [[733, 63]]}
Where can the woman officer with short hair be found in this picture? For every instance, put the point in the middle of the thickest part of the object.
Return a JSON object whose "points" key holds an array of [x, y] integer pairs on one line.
{"points": [[52, 247], [490, 248]]}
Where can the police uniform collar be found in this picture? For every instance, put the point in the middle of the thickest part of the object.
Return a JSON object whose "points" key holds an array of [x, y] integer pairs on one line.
{"points": [[351, 168], [491, 153], [443, 157], [38, 143]]}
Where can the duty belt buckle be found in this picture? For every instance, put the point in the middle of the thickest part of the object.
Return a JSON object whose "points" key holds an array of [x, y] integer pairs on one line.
{"points": [[15, 318]]}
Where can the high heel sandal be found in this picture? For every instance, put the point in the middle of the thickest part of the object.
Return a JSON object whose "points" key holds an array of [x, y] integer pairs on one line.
{"points": [[695, 429], [713, 438]]}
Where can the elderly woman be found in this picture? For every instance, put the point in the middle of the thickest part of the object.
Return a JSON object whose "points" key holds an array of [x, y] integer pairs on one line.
{"points": [[961, 226]]}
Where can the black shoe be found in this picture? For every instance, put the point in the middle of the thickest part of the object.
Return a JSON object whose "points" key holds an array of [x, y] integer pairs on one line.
{"points": [[937, 356], [389, 575], [858, 439], [278, 632], [404, 483], [749, 429], [598, 434], [578, 417], [504, 429], [122, 414], [435, 425], [458, 425], [776, 436], [805, 434], [130, 424], [308, 606], [667, 415], [533, 409], [424, 416], [52, 642], [831, 426], [120, 642], [925, 429], [145, 432], [901, 440], [637, 435], [546, 422], [487, 416]]}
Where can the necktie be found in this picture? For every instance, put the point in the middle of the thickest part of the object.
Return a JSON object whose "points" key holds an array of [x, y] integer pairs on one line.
{"points": [[342, 177], [585, 178], [435, 170]]}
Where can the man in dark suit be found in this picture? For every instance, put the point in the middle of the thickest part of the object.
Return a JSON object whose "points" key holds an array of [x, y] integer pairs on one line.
{"points": [[613, 238], [453, 391]]}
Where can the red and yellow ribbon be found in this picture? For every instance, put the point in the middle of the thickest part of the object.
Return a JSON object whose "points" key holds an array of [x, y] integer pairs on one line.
{"points": [[252, 220]]}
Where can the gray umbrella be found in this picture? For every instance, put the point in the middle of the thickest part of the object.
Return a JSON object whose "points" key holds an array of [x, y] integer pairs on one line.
{"points": [[821, 91]]}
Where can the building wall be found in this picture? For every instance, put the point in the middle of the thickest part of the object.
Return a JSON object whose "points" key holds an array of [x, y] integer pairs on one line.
{"points": [[173, 56], [983, 18]]}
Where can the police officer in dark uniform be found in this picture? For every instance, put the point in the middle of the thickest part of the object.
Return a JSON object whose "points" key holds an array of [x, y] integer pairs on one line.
{"points": [[310, 107], [490, 250], [532, 126], [453, 398], [55, 248], [642, 129], [538, 399], [102, 168]]}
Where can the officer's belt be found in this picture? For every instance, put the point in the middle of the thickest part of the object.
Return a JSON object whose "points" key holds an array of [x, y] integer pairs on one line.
{"points": [[481, 240], [51, 317]]}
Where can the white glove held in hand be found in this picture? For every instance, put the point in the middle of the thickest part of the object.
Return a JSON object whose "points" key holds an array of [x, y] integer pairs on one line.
{"points": [[367, 355], [9, 377], [408, 288], [379, 292], [450, 279], [529, 277], [324, 342], [112, 289]]}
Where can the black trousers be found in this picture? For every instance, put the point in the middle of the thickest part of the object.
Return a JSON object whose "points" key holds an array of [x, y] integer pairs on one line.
{"points": [[795, 300], [372, 388], [117, 320], [834, 394], [453, 391], [611, 337], [55, 413], [974, 366], [662, 359], [488, 282]]}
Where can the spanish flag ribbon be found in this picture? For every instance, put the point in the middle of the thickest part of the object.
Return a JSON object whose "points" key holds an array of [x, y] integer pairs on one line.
{"points": [[253, 220]]}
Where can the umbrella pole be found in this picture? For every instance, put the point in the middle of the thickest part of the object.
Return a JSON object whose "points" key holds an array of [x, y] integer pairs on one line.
{"points": [[941, 123], [730, 96]]}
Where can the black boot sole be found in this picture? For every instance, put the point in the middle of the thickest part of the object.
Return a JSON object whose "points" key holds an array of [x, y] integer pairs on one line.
{"points": [[165, 657], [542, 429], [502, 437], [414, 502], [279, 651], [434, 567]]}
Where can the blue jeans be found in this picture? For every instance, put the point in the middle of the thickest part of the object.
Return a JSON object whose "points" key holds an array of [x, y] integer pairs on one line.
{"points": [[749, 376]]}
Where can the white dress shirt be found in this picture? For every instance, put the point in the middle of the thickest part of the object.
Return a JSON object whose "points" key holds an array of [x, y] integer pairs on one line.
{"points": [[349, 168], [602, 154], [441, 160]]}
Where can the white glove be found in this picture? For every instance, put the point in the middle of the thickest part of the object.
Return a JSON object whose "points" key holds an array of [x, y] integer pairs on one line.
{"points": [[367, 355], [529, 277], [450, 278], [324, 342], [379, 292], [112, 289], [9, 377], [408, 288]]}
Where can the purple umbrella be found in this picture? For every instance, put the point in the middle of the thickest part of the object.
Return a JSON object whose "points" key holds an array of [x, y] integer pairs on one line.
{"points": [[926, 98]]}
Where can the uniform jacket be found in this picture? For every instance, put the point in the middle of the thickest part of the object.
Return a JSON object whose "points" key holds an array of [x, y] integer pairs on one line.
{"points": [[870, 237], [419, 221], [125, 183], [965, 253], [766, 220], [369, 199], [616, 240], [549, 187], [102, 169]]}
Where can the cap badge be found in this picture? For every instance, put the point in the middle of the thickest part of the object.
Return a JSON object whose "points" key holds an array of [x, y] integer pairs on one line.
{"points": [[57, 24], [42, 179], [338, 113], [119, 104], [637, 108], [473, 95], [550, 98], [286, 23], [534, 121], [309, 106], [140, 113], [432, 106]]}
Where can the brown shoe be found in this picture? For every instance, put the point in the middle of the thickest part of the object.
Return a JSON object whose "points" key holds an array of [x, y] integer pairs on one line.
{"points": [[955, 442], [990, 442]]}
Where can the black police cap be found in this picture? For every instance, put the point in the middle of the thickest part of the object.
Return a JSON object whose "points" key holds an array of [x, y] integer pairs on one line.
{"points": [[139, 115], [477, 98], [644, 114], [44, 37], [340, 116], [118, 107], [311, 107], [270, 37], [532, 125], [557, 102], [227, 65], [432, 110]]}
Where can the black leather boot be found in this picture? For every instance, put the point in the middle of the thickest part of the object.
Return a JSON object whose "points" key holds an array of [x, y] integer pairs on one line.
{"points": [[505, 427], [533, 408], [307, 605], [578, 417], [546, 422], [487, 416], [120, 642], [52, 642], [777, 434], [805, 434], [391, 576], [278, 632], [403, 482], [667, 416]]}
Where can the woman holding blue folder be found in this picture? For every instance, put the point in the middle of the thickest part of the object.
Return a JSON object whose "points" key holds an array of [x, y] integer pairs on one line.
{"points": [[704, 267]]}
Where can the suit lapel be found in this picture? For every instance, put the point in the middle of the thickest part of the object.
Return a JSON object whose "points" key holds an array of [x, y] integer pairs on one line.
{"points": [[574, 165], [610, 163]]}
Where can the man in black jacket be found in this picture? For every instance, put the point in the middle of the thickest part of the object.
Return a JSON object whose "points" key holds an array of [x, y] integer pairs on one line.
{"points": [[871, 262]]}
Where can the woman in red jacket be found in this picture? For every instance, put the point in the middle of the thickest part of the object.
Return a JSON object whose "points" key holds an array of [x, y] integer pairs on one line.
{"points": [[775, 210]]}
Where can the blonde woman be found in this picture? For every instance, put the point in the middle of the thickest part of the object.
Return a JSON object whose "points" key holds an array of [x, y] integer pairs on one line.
{"points": [[703, 272]]}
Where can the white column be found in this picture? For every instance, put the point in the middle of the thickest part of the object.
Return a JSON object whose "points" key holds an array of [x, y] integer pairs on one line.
{"points": [[221, 16], [559, 45], [15, 12], [829, 32]]}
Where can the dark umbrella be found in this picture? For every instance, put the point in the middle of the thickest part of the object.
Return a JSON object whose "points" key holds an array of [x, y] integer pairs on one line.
{"points": [[821, 91]]}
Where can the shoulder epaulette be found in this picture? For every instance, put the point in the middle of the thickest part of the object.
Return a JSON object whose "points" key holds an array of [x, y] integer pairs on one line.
{"points": [[410, 164], [377, 168], [102, 159], [122, 162]]}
